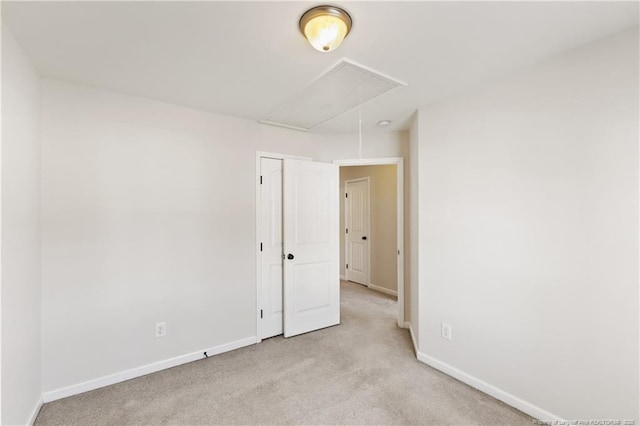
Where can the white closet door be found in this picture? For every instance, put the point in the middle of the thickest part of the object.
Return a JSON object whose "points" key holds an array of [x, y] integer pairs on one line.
{"points": [[271, 246], [311, 246]]}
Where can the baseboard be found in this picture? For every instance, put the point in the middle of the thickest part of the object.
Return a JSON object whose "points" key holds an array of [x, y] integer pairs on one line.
{"points": [[407, 324], [35, 412], [382, 289], [343, 278], [524, 406], [144, 370]]}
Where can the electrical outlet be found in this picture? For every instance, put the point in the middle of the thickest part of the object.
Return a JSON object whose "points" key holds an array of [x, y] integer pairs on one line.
{"points": [[161, 329], [445, 331]]}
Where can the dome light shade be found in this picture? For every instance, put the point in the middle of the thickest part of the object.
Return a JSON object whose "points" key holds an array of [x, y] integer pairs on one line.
{"points": [[325, 27]]}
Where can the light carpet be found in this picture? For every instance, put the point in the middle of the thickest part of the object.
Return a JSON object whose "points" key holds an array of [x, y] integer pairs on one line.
{"points": [[362, 371]]}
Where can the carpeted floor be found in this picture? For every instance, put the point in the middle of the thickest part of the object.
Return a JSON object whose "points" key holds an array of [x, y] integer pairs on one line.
{"points": [[361, 372]]}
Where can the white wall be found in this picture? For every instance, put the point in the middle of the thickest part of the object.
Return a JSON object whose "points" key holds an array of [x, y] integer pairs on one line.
{"points": [[529, 232], [383, 268], [149, 215], [375, 144], [412, 313], [20, 224]]}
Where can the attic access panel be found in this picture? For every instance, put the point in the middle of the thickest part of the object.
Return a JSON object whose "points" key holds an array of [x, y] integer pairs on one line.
{"points": [[337, 91]]}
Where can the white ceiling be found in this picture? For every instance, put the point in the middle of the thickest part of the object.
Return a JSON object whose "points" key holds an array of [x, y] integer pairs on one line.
{"points": [[246, 58]]}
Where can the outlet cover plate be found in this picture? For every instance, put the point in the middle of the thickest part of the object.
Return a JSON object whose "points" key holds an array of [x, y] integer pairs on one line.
{"points": [[161, 329], [445, 331]]}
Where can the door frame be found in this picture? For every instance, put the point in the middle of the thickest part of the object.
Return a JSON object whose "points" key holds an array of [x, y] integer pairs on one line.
{"points": [[368, 231], [259, 156], [399, 163]]}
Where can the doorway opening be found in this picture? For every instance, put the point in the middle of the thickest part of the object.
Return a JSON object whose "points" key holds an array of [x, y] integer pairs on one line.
{"points": [[372, 225], [298, 256], [298, 243]]}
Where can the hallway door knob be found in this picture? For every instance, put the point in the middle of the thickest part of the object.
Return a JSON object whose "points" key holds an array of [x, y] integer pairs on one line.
{"points": [[290, 256], [364, 238]]}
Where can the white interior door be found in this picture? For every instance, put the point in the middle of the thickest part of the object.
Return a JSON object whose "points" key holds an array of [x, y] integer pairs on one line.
{"points": [[271, 246], [311, 246], [357, 231]]}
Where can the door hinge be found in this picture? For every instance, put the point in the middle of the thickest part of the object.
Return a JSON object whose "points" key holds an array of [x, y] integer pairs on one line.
{"points": [[260, 313], [347, 231], [346, 195], [260, 179], [347, 266], [398, 252], [260, 246]]}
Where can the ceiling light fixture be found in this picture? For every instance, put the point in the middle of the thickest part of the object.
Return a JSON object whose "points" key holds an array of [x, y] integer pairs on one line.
{"points": [[325, 27], [384, 123]]}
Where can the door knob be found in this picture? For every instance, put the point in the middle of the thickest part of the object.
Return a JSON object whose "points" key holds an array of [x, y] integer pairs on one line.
{"points": [[289, 256], [364, 238]]}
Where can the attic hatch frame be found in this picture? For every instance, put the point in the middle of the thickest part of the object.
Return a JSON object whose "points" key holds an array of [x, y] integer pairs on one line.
{"points": [[343, 64]]}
